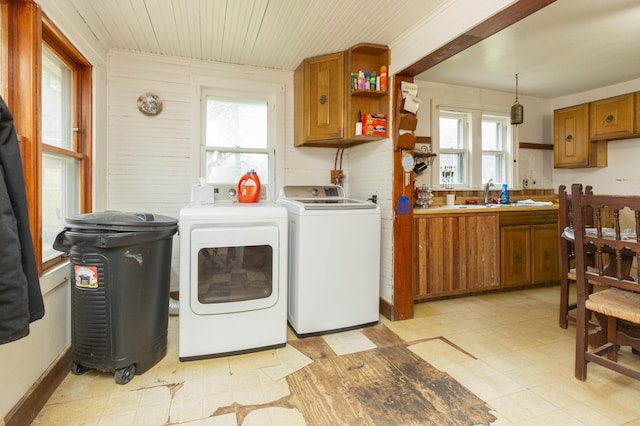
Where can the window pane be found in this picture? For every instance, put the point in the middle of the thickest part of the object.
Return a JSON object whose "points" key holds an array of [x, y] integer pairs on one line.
{"points": [[450, 133], [491, 139], [56, 101], [60, 180], [451, 168], [227, 167], [492, 168], [236, 123]]}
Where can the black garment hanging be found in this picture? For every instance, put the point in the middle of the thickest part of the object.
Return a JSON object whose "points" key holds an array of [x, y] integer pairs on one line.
{"points": [[20, 295]]}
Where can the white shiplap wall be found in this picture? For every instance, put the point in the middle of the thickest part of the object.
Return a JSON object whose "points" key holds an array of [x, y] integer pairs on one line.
{"points": [[371, 173], [150, 161]]}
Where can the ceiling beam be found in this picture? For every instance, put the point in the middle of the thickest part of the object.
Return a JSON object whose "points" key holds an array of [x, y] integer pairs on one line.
{"points": [[483, 30]]}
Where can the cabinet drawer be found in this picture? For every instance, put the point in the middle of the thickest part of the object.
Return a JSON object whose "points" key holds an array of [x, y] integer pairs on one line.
{"points": [[531, 217]]}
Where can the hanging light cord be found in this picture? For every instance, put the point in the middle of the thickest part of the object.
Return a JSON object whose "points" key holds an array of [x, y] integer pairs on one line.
{"points": [[516, 88]]}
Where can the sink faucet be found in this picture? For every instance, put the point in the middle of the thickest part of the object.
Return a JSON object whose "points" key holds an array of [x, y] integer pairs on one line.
{"points": [[485, 195]]}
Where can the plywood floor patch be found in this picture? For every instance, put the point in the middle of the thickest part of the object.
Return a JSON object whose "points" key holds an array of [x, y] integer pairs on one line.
{"points": [[381, 386]]}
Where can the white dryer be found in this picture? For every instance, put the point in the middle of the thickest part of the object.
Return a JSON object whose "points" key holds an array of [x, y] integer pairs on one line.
{"points": [[233, 276], [334, 259]]}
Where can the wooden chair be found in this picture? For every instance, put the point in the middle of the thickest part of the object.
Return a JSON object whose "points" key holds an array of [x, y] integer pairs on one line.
{"points": [[619, 302], [568, 255]]}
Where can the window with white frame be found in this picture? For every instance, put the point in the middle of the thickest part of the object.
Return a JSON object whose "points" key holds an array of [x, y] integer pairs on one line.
{"points": [[240, 129], [473, 147], [236, 138]]}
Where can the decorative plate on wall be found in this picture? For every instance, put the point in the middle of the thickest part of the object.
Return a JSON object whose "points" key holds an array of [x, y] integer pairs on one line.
{"points": [[149, 104]]}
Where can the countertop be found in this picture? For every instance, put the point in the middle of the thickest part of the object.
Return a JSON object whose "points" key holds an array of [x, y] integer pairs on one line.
{"points": [[476, 208]]}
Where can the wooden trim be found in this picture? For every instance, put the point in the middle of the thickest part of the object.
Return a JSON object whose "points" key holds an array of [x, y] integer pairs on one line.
{"points": [[61, 151], [26, 410], [386, 309], [21, 36], [501, 20], [82, 98], [530, 145], [402, 227], [423, 140]]}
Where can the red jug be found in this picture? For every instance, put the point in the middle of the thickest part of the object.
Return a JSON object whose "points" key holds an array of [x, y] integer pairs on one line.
{"points": [[249, 188]]}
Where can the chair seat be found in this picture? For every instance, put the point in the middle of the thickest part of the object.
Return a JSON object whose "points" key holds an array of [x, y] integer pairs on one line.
{"points": [[616, 303]]}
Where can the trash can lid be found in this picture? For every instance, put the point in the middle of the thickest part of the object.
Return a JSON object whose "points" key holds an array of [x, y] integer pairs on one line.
{"points": [[121, 221]]}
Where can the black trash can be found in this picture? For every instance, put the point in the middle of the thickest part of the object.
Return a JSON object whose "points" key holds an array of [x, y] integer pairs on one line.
{"points": [[120, 269]]}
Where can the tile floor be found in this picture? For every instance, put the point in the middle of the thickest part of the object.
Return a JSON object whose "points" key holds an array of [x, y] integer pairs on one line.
{"points": [[505, 347]]}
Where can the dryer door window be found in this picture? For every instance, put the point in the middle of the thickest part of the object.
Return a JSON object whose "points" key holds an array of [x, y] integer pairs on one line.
{"points": [[233, 269], [235, 274]]}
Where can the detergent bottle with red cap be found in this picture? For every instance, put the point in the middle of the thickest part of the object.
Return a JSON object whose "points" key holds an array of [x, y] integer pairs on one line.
{"points": [[249, 188]]}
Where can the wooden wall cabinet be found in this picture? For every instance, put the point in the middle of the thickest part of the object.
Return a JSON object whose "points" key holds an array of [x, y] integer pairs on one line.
{"points": [[637, 99], [321, 101], [455, 254], [612, 118], [325, 106], [572, 146], [529, 248], [581, 132]]}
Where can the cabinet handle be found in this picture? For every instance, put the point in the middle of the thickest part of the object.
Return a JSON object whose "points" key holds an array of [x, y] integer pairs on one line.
{"points": [[609, 118], [569, 138], [518, 257], [547, 255], [323, 99]]}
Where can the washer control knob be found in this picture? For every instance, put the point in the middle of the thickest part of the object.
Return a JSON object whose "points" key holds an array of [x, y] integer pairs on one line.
{"points": [[232, 192], [314, 192]]}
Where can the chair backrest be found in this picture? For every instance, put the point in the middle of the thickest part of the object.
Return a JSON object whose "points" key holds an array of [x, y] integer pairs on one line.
{"points": [[565, 220], [602, 241], [567, 253]]}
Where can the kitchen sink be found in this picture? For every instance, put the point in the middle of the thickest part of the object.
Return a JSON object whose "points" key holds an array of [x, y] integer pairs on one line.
{"points": [[466, 206], [489, 206]]}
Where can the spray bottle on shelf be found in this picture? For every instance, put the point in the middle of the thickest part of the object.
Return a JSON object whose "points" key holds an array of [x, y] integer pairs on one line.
{"points": [[249, 188]]}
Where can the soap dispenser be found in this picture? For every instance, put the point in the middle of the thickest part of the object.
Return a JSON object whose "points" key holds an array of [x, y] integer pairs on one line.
{"points": [[504, 195]]}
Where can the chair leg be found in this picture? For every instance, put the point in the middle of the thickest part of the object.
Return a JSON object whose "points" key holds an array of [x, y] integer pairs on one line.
{"points": [[581, 344], [564, 301], [612, 332]]}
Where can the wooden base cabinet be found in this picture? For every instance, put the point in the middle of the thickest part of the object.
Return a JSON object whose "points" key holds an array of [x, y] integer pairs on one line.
{"points": [[455, 254], [529, 248]]}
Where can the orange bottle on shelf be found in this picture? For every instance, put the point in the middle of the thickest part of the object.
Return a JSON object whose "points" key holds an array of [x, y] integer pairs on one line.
{"points": [[249, 188], [383, 78]]}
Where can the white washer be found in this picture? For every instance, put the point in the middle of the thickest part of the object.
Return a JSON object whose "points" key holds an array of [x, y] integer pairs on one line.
{"points": [[334, 259], [233, 277]]}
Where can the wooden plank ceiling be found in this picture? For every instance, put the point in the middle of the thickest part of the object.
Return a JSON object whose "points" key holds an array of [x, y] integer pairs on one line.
{"points": [[264, 33]]}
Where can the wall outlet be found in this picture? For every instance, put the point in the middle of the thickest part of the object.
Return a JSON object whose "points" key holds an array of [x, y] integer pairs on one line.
{"points": [[337, 176]]}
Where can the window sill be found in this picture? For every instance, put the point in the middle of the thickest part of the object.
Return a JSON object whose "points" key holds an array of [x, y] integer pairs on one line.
{"points": [[54, 277]]}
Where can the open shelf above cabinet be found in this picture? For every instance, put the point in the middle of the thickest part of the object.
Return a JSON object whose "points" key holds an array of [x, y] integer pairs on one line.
{"points": [[327, 105]]}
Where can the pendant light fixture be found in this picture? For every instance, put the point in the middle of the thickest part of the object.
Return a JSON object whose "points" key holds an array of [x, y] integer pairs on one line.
{"points": [[517, 110]]}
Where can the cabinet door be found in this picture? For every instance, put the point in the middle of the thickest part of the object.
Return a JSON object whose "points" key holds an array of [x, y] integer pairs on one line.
{"points": [[516, 255], [545, 265], [455, 254], [324, 86], [637, 129], [571, 137], [612, 118]]}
